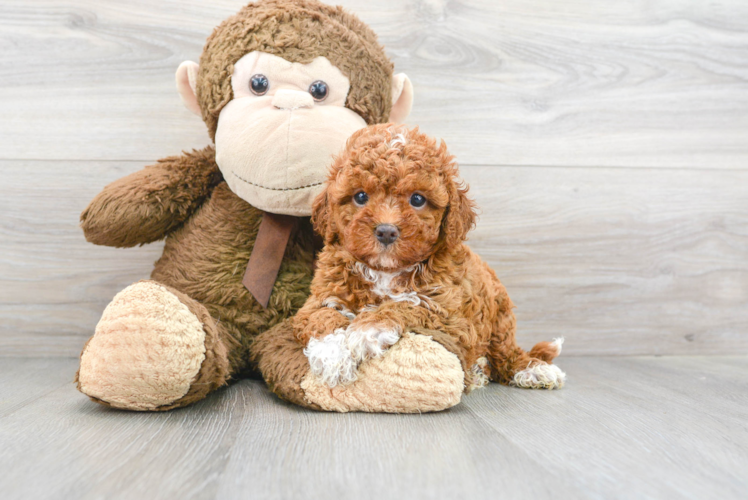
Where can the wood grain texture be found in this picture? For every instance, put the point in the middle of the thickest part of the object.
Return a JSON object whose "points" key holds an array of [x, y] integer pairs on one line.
{"points": [[651, 84], [619, 261], [622, 428], [24, 381], [53, 284], [644, 251]]}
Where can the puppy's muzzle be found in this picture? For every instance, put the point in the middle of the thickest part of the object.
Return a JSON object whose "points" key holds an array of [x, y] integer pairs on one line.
{"points": [[387, 233]]}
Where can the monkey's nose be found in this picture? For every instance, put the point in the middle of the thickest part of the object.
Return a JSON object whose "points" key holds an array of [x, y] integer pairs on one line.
{"points": [[292, 99], [387, 233]]}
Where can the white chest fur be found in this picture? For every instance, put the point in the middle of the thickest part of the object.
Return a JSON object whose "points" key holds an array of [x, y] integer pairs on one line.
{"points": [[382, 284]]}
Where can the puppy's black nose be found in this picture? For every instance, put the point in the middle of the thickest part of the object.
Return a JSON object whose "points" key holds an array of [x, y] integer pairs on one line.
{"points": [[386, 233]]}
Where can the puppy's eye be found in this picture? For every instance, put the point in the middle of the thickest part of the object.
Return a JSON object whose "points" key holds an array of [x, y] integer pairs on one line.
{"points": [[319, 90], [360, 198], [259, 84], [417, 200]]}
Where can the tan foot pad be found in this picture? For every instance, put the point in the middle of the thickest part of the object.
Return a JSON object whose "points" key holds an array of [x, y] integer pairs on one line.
{"points": [[147, 349], [415, 375]]}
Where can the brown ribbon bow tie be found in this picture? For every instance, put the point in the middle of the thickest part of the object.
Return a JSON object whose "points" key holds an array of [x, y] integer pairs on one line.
{"points": [[267, 255]]}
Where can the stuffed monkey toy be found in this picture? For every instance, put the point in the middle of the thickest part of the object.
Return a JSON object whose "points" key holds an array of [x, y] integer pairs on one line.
{"points": [[280, 86]]}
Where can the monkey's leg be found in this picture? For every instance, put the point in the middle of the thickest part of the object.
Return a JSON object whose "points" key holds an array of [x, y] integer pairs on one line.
{"points": [[154, 349], [512, 365], [420, 373]]}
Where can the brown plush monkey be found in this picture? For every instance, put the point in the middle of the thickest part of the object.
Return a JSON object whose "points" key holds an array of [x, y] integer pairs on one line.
{"points": [[280, 86]]}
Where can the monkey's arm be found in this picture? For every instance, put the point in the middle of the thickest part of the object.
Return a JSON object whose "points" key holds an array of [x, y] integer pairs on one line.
{"points": [[146, 205]]}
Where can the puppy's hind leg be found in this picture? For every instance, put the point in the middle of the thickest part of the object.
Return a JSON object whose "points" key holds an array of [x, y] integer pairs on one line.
{"points": [[539, 373], [513, 366]]}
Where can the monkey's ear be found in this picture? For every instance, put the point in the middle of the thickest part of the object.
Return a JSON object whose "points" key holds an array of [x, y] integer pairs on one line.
{"points": [[186, 85], [402, 98]]}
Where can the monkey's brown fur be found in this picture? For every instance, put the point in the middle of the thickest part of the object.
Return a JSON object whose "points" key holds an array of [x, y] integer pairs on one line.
{"points": [[209, 230], [457, 292]]}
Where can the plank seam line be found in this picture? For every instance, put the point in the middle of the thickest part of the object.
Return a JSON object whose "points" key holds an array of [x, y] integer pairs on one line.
{"points": [[471, 165]]}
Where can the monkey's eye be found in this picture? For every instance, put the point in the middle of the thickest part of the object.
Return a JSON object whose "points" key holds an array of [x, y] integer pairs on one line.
{"points": [[417, 200], [319, 90], [360, 198], [259, 84]]}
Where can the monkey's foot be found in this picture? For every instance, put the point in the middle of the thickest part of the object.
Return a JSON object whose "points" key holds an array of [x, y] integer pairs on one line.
{"points": [[154, 349], [415, 375]]}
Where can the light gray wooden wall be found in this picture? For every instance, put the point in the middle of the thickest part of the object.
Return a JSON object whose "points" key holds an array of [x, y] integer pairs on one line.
{"points": [[606, 142]]}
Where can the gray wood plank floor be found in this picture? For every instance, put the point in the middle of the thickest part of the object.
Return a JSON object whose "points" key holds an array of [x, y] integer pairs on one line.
{"points": [[637, 427]]}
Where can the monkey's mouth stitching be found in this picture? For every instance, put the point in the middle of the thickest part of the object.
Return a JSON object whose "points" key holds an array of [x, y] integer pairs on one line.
{"points": [[275, 189]]}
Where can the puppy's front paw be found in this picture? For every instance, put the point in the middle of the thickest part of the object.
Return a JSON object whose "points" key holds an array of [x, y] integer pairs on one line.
{"points": [[540, 376], [330, 359], [370, 340]]}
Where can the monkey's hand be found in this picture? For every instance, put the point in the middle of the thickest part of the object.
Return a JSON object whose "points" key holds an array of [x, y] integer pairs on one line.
{"points": [[146, 205]]}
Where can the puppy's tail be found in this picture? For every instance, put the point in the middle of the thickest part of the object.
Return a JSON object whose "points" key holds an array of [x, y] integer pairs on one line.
{"points": [[547, 351]]}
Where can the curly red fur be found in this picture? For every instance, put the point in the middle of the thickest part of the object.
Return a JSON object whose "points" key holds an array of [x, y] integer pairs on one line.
{"points": [[434, 280]]}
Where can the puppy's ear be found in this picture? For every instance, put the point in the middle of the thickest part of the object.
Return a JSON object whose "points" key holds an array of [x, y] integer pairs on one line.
{"points": [[321, 216], [459, 217]]}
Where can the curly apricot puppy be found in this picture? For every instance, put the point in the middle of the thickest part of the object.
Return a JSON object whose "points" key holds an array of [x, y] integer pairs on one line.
{"points": [[394, 217]]}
